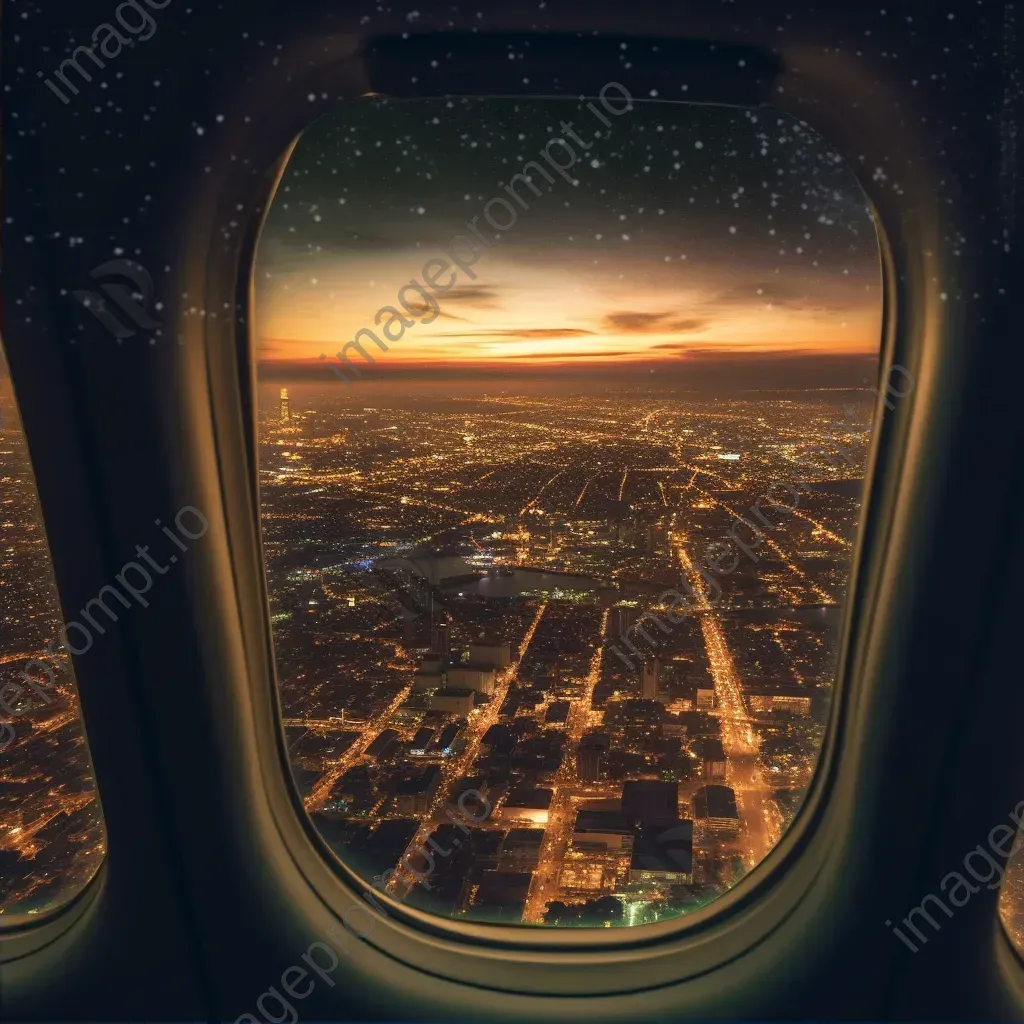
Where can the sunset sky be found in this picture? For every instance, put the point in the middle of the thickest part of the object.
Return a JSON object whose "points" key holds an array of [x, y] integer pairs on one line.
{"points": [[686, 233]]}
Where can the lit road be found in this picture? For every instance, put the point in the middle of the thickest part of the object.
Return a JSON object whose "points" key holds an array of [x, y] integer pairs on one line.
{"points": [[480, 720], [21, 838], [318, 797], [793, 596], [758, 812], [821, 528], [590, 480], [326, 724], [526, 508], [6, 659], [561, 814]]}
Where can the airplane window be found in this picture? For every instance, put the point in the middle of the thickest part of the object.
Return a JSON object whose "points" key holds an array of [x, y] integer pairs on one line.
{"points": [[1011, 896], [51, 826], [564, 412]]}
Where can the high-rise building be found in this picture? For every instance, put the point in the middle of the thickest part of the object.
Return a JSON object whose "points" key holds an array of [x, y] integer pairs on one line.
{"points": [[588, 763], [591, 752], [663, 855], [454, 701], [650, 803], [650, 677], [494, 653], [286, 413], [441, 641], [473, 677], [625, 616], [712, 755], [705, 698], [714, 809]]}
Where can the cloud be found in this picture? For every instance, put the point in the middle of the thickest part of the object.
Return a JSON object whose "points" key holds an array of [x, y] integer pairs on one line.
{"points": [[673, 346], [417, 307], [520, 334], [691, 324], [780, 355], [628, 322], [473, 295], [632, 322], [595, 356]]}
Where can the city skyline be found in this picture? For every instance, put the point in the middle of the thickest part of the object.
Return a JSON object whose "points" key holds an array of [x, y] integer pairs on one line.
{"points": [[564, 606]]}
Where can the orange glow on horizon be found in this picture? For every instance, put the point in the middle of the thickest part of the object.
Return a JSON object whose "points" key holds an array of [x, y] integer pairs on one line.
{"points": [[562, 313]]}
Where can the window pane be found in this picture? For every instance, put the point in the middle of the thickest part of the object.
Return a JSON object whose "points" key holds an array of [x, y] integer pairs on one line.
{"points": [[564, 418], [51, 826], [1011, 898]]}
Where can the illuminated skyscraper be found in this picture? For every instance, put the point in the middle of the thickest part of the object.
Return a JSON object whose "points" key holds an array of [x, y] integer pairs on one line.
{"points": [[592, 750], [650, 677], [625, 616], [440, 640], [286, 413]]}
